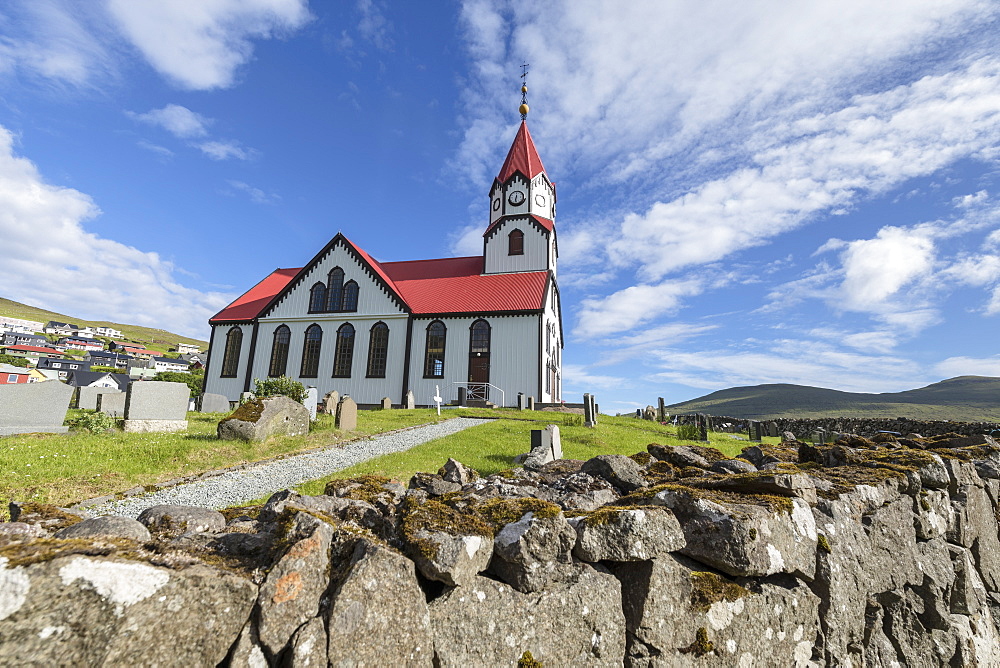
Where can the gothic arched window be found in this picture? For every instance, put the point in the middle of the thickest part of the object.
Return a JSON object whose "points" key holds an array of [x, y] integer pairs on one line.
{"points": [[317, 298], [344, 353], [231, 358], [279, 352], [310, 351], [334, 289], [515, 243], [434, 350], [378, 350], [479, 337], [350, 299]]}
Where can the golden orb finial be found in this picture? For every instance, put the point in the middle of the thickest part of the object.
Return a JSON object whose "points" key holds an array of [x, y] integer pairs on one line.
{"points": [[523, 109], [524, 89], [524, 92]]}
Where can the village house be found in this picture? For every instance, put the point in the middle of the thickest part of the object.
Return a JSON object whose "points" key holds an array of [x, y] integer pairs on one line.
{"points": [[12, 375], [487, 327], [32, 353]]}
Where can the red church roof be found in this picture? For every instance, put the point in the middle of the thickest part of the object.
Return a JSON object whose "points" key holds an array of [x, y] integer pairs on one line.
{"points": [[522, 157], [456, 285], [253, 301]]}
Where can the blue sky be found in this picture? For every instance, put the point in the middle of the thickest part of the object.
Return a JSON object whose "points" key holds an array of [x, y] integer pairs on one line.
{"points": [[749, 192]]}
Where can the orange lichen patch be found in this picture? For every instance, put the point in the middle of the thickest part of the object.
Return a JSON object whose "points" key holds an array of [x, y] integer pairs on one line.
{"points": [[304, 547], [287, 588]]}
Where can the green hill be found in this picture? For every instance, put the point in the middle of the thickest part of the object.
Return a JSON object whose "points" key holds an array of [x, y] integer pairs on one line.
{"points": [[965, 399], [154, 339]]}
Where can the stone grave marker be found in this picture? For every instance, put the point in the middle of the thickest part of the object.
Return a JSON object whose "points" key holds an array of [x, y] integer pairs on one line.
{"points": [[522, 402], [112, 403], [214, 403], [661, 410], [702, 427], [546, 446], [386, 403], [411, 401], [156, 406], [347, 414], [87, 396], [531, 403], [26, 408], [755, 430], [589, 414], [638, 413], [463, 395], [772, 429], [330, 401], [649, 414], [311, 402]]}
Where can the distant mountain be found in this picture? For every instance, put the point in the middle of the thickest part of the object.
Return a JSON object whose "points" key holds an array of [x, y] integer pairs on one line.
{"points": [[965, 399], [154, 339]]}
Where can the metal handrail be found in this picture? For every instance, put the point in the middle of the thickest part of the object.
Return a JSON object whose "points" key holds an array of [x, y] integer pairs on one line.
{"points": [[503, 400]]}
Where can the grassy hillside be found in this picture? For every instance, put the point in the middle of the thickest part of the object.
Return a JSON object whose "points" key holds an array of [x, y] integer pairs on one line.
{"points": [[154, 339], [966, 399]]}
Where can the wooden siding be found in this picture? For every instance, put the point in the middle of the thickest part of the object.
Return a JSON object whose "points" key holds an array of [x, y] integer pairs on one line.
{"points": [[536, 248]]}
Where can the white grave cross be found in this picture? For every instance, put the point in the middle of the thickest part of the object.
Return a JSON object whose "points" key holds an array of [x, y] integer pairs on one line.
{"points": [[437, 398]]}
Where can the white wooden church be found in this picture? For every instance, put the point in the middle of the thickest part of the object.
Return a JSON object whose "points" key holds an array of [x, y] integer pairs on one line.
{"points": [[490, 323]]}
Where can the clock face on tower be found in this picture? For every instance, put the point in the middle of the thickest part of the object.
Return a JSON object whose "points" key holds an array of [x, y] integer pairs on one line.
{"points": [[540, 200], [516, 198]]}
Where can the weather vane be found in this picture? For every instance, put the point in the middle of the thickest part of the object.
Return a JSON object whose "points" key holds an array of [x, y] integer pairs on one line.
{"points": [[524, 92]]}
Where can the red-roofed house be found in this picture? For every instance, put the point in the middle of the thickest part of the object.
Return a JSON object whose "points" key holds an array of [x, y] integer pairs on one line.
{"points": [[347, 322]]}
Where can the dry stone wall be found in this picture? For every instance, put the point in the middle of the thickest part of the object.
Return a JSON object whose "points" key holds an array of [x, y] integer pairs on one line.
{"points": [[848, 425], [857, 553]]}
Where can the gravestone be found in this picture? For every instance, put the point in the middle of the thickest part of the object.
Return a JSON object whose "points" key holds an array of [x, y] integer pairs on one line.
{"points": [[819, 437], [311, 402], [26, 408], [87, 396], [112, 404], [638, 413], [214, 403], [531, 403], [386, 403], [156, 406], [463, 394], [245, 396], [522, 402], [411, 401], [649, 413], [772, 429], [258, 420], [191, 405], [661, 410], [702, 427], [347, 414], [755, 430], [330, 401], [546, 446], [589, 414]]}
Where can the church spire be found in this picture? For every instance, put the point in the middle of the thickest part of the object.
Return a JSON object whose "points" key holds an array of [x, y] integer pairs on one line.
{"points": [[524, 92]]}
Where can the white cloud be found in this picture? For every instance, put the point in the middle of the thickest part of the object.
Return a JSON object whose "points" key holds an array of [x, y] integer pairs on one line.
{"points": [[876, 269], [576, 376], [633, 306], [199, 44], [161, 151], [224, 150], [84, 274], [256, 195], [374, 26], [467, 240], [969, 366], [177, 120]]}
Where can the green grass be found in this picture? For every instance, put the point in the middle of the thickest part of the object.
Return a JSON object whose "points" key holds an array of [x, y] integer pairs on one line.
{"points": [[64, 469], [491, 447], [154, 339]]}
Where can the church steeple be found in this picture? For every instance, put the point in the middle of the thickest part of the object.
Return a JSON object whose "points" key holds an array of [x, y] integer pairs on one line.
{"points": [[522, 157]]}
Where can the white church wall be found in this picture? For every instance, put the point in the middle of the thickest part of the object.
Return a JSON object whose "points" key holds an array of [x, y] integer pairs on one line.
{"points": [[552, 353], [230, 387], [514, 354], [536, 248], [362, 389], [372, 299]]}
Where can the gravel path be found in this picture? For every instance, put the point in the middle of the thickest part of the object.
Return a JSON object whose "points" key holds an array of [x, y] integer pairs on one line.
{"points": [[236, 487]]}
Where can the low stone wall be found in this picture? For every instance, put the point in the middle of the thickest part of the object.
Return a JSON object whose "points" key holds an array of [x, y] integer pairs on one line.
{"points": [[852, 554], [866, 427]]}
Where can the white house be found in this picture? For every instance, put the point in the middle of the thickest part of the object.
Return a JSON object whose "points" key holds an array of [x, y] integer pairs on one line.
{"points": [[187, 348], [490, 323], [168, 364], [108, 332]]}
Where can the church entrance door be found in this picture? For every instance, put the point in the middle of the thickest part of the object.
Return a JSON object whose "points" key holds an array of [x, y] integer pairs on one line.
{"points": [[479, 376]]}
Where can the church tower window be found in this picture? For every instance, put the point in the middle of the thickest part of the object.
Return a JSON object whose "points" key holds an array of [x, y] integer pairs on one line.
{"points": [[317, 298], [310, 351], [279, 351], [515, 243], [434, 351], [378, 350], [231, 359], [334, 289], [343, 356], [350, 300]]}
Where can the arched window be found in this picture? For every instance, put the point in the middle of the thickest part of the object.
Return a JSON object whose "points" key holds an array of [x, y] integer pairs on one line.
{"points": [[279, 352], [344, 353], [231, 358], [350, 299], [434, 350], [378, 350], [479, 337], [334, 289], [515, 243], [317, 298], [310, 351], [548, 335]]}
